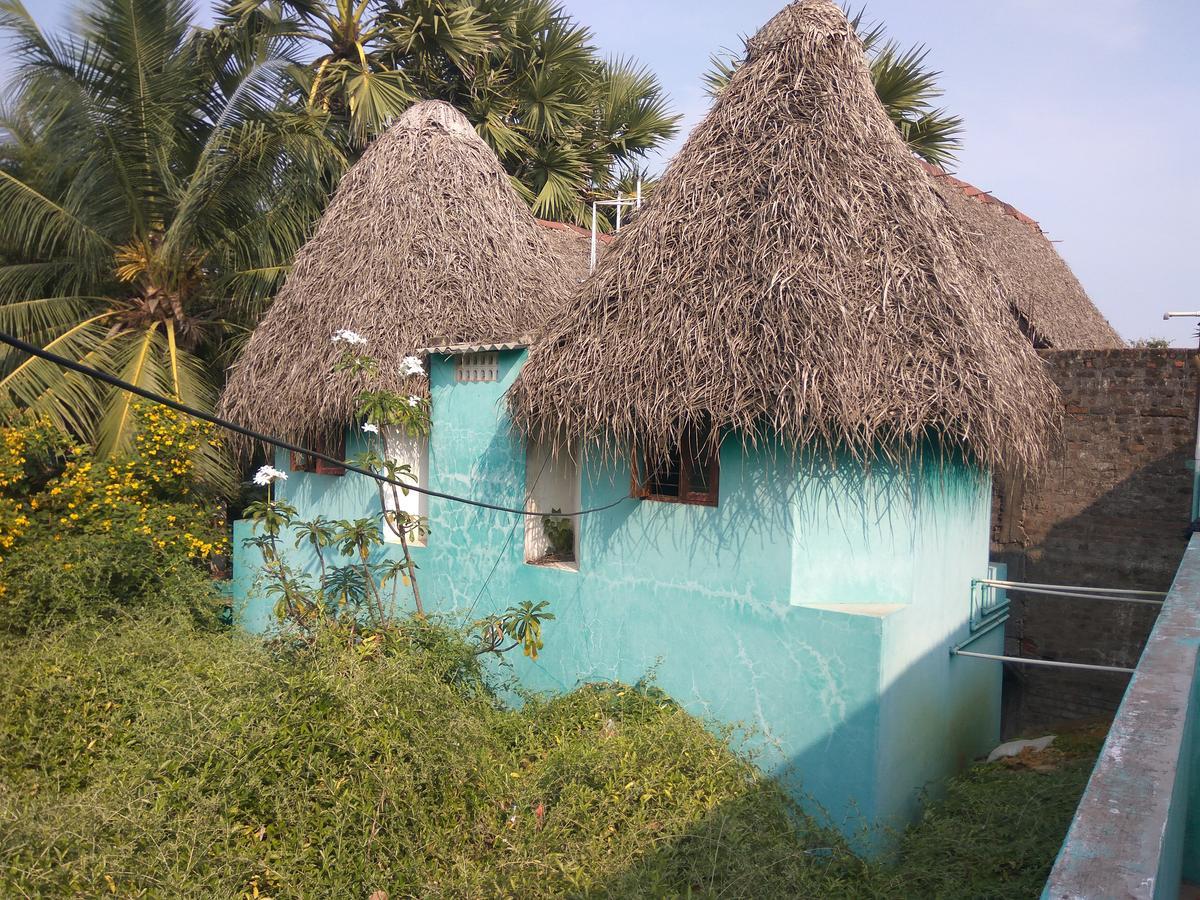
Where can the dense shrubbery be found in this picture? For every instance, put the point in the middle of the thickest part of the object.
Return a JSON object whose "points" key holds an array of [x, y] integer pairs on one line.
{"points": [[147, 751], [82, 536], [153, 758], [147, 756]]}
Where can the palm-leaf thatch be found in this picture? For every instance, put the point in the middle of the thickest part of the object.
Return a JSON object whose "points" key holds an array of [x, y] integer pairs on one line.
{"points": [[425, 242], [1051, 305], [794, 273], [574, 247]]}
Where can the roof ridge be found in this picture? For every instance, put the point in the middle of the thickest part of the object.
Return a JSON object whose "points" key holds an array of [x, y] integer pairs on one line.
{"points": [[574, 229], [980, 195]]}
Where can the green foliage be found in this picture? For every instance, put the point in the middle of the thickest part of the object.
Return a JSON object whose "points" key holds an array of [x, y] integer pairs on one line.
{"points": [[560, 533], [146, 752], [155, 196], [151, 754], [81, 536], [905, 85], [87, 574], [564, 121], [521, 624], [1150, 344], [1000, 825]]}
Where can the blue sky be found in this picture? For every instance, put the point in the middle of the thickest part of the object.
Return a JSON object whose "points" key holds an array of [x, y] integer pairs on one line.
{"points": [[1081, 113]]}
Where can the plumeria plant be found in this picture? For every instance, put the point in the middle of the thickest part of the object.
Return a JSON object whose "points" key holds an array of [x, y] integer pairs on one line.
{"points": [[352, 581], [384, 413]]}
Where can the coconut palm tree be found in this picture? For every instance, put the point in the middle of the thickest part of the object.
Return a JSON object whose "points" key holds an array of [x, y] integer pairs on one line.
{"points": [[154, 192], [905, 85]]}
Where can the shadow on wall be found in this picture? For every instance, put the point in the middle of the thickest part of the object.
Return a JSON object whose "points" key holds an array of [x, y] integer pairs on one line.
{"points": [[772, 496], [1132, 536], [748, 847]]}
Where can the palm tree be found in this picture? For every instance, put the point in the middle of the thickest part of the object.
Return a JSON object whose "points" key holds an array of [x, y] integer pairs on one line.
{"points": [[906, 87], [353, 78], [154, 192], [562, 120]]}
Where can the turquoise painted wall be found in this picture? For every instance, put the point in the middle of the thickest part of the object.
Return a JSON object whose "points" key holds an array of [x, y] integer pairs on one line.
{"points": [[815, 604]]}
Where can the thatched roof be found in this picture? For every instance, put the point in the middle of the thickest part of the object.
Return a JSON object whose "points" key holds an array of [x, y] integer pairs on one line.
{"points": [[794, 273], [425, 242], [1052, 307], [574, 246]]}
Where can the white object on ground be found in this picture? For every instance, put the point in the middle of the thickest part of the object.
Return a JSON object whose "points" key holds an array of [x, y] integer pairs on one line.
{"points": [[1012, 748]]}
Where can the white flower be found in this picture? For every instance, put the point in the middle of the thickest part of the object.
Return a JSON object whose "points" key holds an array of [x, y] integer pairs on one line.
{"points": [[411, 365], [414, 401], [267, 474], [346, 336], [371, 427]]}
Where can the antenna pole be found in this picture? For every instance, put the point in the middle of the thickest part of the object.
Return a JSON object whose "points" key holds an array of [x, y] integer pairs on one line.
{"points": [[592, 265]]}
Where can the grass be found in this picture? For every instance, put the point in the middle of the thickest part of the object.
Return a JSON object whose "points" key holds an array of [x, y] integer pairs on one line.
{"points": [[146, 757]]}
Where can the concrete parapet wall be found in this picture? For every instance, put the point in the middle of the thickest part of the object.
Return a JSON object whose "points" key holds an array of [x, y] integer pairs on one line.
{"points": [[1134, 834]]}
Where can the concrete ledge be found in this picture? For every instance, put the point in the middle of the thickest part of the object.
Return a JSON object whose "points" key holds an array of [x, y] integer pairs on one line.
{"points": [[1130, 837], [874, 610]]}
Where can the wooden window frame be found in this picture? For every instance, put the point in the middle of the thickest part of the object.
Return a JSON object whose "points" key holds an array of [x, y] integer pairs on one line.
{"points": [[302, 462], [688, 463]]}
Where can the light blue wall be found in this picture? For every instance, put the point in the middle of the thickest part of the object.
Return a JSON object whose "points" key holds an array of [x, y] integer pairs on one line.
{"points": [[814, 604]]}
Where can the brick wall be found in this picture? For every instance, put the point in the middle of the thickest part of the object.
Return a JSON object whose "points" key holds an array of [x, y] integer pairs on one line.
{"points": [[1112, 511]]}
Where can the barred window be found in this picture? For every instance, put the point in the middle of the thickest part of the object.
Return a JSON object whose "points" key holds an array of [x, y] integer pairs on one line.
{"points": [[477, 367]]}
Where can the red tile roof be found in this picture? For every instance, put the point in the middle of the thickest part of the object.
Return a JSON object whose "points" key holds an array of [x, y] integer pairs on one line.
{"points": [[982, 196], [575, 229]]}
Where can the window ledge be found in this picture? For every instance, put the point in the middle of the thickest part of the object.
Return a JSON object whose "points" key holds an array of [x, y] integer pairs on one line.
{"points": [[562, 565]]}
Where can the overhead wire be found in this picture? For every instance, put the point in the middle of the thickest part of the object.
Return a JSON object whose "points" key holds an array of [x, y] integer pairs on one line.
{"points": [[70, 364]]}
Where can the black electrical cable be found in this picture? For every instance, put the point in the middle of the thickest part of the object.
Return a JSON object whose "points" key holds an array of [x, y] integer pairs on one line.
{"points": [[32, 350]]}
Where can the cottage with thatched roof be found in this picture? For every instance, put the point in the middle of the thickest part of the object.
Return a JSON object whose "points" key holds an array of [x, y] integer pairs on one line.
{"points": [[425, 242], [777, 402]]}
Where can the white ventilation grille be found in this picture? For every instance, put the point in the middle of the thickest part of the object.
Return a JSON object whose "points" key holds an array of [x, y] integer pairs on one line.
{"points": [[477, 367]]}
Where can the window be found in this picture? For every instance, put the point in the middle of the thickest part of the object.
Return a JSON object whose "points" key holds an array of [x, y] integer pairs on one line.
{"points": [[551, 483], [413, 451], [477, 367], [688, 474], [334, 446]]}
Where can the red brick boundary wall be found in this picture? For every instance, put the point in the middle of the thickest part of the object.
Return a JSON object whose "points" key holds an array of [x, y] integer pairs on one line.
{"points": [[1112, 511]]}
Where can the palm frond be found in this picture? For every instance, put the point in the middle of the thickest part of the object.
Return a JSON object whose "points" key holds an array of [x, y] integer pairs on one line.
{"points": [[70, 400], [34, 225]]}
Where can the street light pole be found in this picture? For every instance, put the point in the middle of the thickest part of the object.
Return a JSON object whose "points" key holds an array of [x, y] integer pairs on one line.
{"points": [[1196, 454]]}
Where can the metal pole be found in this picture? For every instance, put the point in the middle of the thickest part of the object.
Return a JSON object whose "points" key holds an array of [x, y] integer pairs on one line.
{"points": [[592, 266], [984, 629], [639, 194], [1023, 585], [1041, 662], [1081, 596], [1196, 453], [619, 205]]}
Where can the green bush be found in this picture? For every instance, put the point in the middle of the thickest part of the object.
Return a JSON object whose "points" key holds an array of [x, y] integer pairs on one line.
{"points": [[81, 537], [85, 575], [145, 757], [149, 758]]}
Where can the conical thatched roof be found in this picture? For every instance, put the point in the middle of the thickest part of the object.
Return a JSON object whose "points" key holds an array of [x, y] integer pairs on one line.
{"points": [[1051, 305], [425, 242], [794, 272]]}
